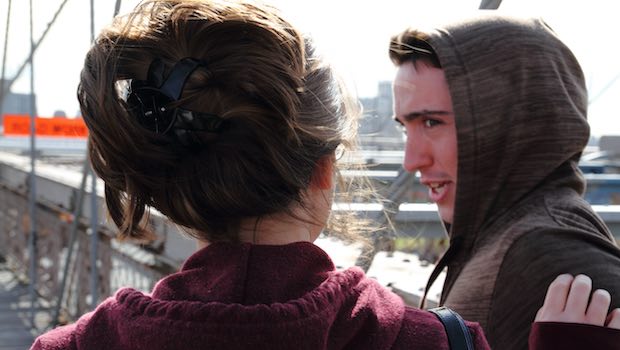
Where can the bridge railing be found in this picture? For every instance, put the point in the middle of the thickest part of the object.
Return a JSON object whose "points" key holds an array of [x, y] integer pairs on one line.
{"points": [[117, 265], [127, 265]]}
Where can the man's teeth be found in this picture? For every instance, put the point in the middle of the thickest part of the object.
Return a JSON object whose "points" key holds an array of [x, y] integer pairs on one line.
{"points": [[435, 185]]}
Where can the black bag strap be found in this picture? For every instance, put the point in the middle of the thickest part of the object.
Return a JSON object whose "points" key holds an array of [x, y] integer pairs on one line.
{"points": [[459, 337]]}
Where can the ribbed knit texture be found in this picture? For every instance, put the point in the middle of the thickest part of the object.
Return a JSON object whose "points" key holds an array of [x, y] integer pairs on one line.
{"points": [[243, 296], [552, 335]]}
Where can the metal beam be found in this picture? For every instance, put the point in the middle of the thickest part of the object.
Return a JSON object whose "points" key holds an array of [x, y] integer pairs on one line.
{"points": [[117, 7], [33, 254], [490, 4], [395, 193], [77, 214]]}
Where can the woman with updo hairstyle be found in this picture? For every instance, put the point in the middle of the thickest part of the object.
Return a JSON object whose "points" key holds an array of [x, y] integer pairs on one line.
{"points": [[221, 116]]}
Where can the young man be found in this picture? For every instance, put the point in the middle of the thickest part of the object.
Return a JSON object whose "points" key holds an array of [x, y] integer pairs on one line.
{"points": [[494, 109]]}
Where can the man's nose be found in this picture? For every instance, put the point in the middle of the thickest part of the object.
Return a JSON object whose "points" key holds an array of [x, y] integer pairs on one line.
{"points": [[417, 155]]}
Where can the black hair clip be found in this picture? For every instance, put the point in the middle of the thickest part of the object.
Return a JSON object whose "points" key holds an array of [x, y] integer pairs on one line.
{"points": [[150, 101]]}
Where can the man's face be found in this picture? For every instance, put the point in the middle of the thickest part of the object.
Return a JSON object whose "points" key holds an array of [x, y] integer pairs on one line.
{"points": [[422, 104]]}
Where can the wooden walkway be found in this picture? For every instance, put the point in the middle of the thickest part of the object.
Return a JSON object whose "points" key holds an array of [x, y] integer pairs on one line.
{"points": [[15, 332]]}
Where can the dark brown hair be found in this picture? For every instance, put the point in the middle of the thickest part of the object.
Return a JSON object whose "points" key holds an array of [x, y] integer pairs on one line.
{"points": [[412, 46], [284, 110]]}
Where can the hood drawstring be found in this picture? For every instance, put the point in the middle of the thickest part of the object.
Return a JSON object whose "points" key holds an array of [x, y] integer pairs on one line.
{"points": [[455, 244]]}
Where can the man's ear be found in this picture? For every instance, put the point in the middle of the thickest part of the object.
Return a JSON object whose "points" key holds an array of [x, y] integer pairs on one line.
{"points": [[323, 174]]}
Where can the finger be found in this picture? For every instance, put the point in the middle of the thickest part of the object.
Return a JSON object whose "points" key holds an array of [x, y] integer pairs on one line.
{"points": [[613, 320], [538, 315], [597, 310], [578, 297], [557, 293]]}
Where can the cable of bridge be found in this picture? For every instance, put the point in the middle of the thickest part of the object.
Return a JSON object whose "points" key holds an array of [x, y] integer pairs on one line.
{"points": [[94, 239], [32, 210], [4, 52], [94, 215], [32, 51], [70, 246]]}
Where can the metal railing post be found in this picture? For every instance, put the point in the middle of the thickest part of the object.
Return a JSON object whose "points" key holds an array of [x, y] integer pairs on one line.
{"points": [[32, 238], [72, 238]]}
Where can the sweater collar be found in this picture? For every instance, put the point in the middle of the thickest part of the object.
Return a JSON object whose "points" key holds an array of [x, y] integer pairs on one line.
{"points": [[247, 274]]}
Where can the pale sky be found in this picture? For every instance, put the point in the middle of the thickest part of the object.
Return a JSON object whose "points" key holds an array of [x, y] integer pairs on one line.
{"points": [[353, 35]]}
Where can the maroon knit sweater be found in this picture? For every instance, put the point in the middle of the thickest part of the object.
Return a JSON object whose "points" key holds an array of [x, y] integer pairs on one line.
{"points": [[243, 296], [569, 336]]}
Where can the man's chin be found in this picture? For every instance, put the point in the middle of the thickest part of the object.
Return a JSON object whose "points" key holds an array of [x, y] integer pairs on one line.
{"points": [[446, 217]]}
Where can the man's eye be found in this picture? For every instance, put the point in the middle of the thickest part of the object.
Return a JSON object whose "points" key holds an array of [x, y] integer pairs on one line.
{"points": [[429, 123]]}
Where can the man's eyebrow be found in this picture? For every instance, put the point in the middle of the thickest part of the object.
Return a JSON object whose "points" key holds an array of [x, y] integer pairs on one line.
{"points": [[423, 113]]}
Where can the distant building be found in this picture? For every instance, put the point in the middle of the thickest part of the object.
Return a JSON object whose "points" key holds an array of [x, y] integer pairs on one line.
{"points": [[60, 114], [378, 130], [15, 103]]}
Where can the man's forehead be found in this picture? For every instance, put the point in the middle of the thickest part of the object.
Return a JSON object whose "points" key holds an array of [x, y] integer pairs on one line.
{"points": [[429, 82], [408, 71], [404, 84], [405, 76]]}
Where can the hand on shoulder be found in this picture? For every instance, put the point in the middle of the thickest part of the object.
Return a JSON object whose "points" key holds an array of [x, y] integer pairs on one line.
{"points": [[568, 300]]}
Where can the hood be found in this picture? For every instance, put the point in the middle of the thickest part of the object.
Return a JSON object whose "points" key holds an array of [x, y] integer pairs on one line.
{"points": [[243, 296], [520, 104]]}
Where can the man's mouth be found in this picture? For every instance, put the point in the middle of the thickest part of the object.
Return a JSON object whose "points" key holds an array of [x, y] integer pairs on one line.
{"points": [[437, 186], [436, 190]]}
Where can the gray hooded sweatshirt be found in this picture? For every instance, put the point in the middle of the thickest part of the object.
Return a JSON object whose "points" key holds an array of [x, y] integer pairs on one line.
{"points": [[520, 103]]}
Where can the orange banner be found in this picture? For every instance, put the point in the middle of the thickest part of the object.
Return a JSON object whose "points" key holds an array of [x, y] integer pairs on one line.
{"points": [[19, 125]]}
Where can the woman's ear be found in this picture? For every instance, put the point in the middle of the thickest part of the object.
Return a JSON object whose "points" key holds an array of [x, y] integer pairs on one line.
{"points": [[323, 174]]}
